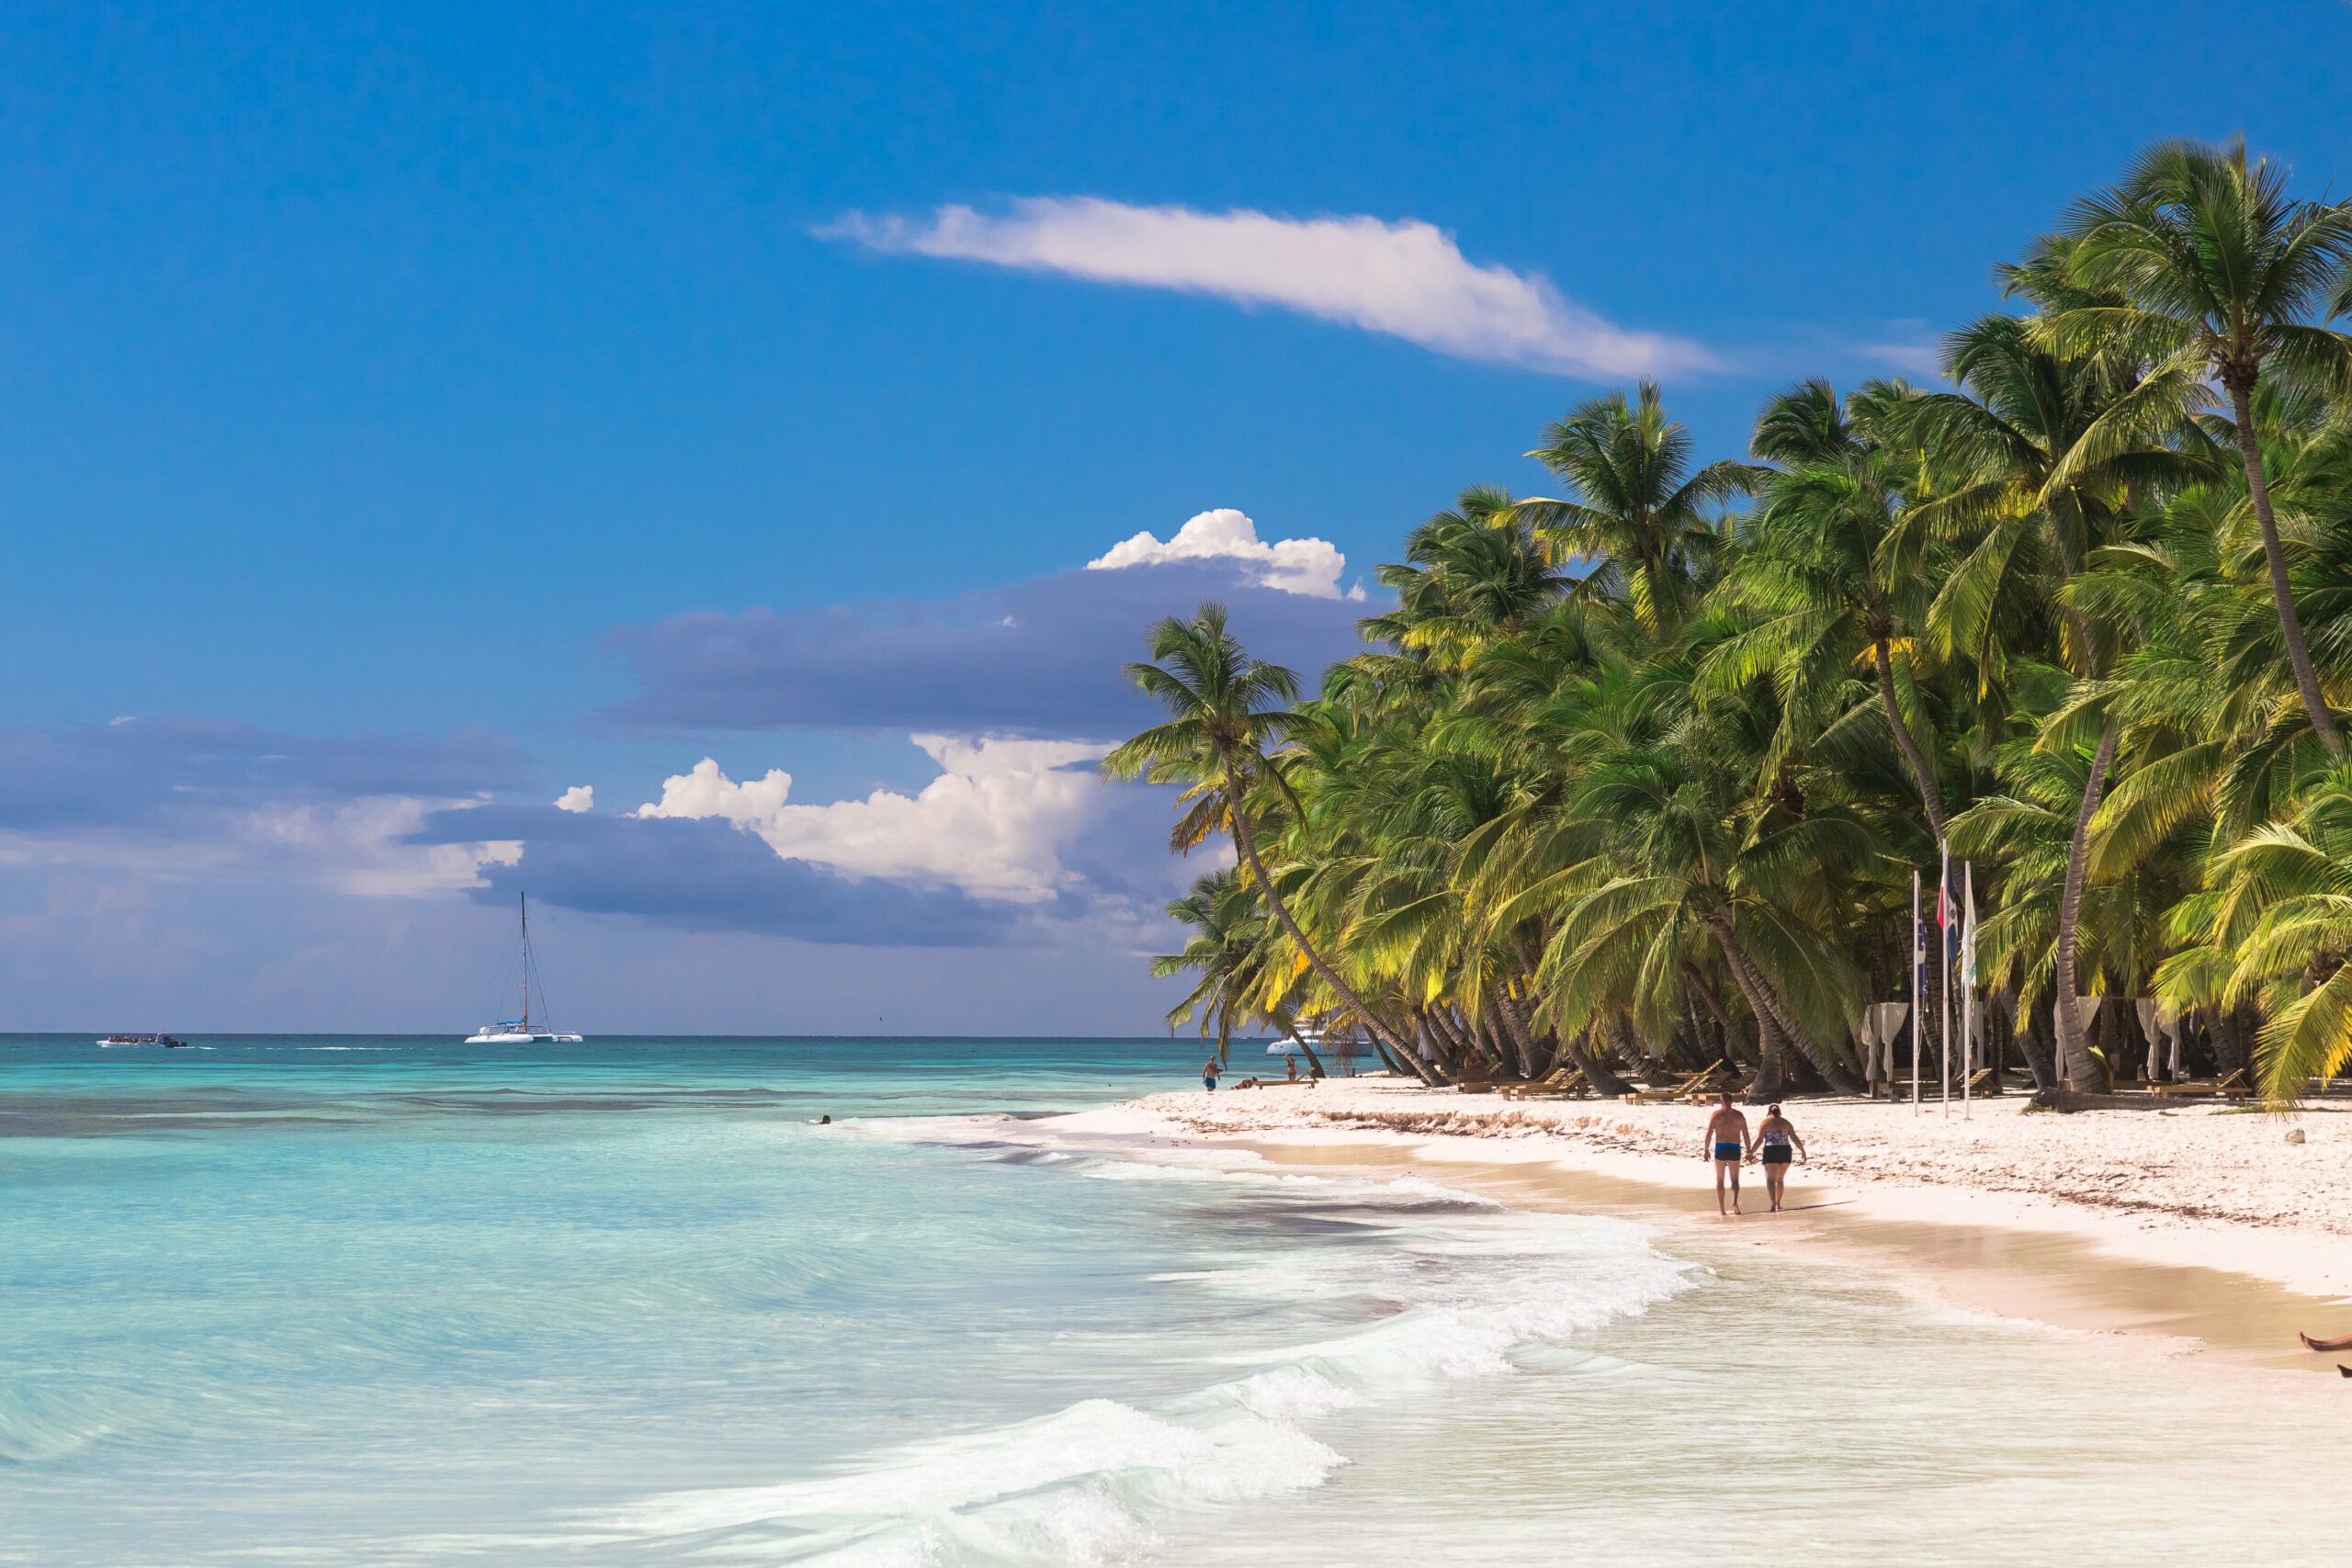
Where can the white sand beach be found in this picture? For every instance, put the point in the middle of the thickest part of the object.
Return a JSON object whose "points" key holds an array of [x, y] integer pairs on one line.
{"points": [[2203, 1222]]}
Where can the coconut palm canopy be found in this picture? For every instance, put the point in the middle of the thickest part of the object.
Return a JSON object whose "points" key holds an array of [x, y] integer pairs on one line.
{"points": [[1635, 775]]}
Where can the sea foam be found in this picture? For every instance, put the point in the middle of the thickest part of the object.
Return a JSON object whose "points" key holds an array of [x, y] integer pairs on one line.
{"points": [[1426, 1287]]}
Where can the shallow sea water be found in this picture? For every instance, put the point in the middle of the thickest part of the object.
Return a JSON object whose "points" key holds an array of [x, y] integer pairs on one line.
{"points": [[397, 1300]]}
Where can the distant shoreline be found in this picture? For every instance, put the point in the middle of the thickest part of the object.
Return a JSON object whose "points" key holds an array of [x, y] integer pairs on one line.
{"points": [[2191, 1227]]}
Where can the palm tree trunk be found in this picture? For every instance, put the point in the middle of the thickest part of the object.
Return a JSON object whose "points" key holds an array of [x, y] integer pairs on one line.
{"points": [[1451, 1038], [1908, 744], [1313, 1061], [1412, 1064], [2077, 1068], [2036, 1051], [1636, 1053], [1514, 1029], [1597, 1073], [1248, 840], [2290, 625], [1757, 989], [1724, 1024]]}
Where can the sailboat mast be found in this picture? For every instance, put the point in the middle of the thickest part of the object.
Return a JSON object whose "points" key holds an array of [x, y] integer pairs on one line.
{"points": [[525, 899]]}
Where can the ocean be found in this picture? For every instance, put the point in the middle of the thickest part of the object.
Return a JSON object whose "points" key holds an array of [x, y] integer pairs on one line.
{"points": [[390, 1300]]}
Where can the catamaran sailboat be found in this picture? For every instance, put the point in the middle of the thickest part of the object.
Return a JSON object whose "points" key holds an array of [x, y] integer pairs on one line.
{"points": [[522, 1031]]}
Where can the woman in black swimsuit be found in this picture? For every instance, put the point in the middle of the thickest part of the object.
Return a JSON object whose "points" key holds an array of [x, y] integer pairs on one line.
{"points": [[1774, 1136]]}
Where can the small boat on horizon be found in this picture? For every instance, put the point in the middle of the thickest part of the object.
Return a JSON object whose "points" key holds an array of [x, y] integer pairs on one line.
{"points": [[522, 1031], [165, 1041]]}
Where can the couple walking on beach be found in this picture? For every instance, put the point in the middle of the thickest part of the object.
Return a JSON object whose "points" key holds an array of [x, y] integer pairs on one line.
{"points": [[1729, 1143]]}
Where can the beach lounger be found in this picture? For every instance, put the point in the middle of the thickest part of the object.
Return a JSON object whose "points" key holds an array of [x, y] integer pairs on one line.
{"points": [[2233, 1086], [1554, 1082], [1568, 1083], [1695, 1085]]}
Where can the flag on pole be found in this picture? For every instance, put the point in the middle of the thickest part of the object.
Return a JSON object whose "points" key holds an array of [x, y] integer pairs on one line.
{"points": [[1968, 929], [1968, 980], [1943, 917]]}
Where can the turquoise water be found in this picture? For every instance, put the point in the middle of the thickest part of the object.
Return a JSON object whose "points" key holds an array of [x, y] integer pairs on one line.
{"points": [[394, 1301]]}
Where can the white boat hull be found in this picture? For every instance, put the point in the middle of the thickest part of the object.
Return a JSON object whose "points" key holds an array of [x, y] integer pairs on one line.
{"points": [[517, 1037]]}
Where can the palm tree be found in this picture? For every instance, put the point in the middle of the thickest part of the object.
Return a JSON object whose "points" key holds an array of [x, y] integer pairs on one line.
{"points": [[1225, 716], [2031, 467], [2288, 887], [2219, 269], [1228, 950], [1823, 567], [1639, 511]]}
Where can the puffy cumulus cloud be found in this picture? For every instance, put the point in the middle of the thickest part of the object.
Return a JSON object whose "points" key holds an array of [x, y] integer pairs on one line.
{"points": [[1043, 657], [181, 798], [991, 823], [579, 797], [1296, 565], [1015, 843], [1406, 278]]}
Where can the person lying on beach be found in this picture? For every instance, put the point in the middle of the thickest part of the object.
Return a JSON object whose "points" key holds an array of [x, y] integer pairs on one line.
{"points": [[1726, 1146], [2312, 1343], [1773, 1137]]}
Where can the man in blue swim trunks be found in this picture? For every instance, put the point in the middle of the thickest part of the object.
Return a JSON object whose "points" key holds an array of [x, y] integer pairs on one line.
{"points": [[1726, 1146]]}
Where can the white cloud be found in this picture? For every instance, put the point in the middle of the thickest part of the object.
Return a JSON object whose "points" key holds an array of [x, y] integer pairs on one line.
{"points": [[993, 822], [1910, 345], [579, 797], [1296, 565], [357, 846], [1407, 278], [1924, 359]]}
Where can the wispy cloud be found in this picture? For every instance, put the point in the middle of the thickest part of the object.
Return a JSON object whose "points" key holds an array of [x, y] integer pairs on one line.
{"points": [[1406, 278], [1911, 346]]}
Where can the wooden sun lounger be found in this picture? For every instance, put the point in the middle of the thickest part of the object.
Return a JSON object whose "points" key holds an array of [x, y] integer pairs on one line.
{"points": [[1551, 1083], [1488, 1086], [1567, 1084], [1696, 1086], [2230, 1086]]}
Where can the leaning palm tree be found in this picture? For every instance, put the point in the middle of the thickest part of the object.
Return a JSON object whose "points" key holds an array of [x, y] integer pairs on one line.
{"points": [[1639, 512], [1228, 952], [1228, 709], [2219, 269]]}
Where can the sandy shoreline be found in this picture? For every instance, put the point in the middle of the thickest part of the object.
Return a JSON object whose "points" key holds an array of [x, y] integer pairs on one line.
{"points": [[2204, 1226]]}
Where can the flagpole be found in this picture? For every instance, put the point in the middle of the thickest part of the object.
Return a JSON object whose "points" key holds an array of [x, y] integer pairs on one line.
{"points": [[1919, 991], [1967, 988], [1943, 952]]}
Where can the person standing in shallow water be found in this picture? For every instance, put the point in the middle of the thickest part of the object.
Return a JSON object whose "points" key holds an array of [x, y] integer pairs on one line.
{"points": [[1726, 1146], [1208, 1075], [1773, 1137]]}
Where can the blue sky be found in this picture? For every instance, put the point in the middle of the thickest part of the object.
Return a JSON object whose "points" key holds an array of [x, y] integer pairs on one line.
{"points": [[412, 406]]}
